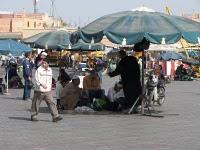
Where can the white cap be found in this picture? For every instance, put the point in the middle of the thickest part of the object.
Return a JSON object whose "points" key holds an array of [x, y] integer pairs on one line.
{"points": [[44, 53]]}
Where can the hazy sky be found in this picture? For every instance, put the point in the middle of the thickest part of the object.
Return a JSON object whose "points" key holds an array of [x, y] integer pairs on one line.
{"points": [[81, 12]]}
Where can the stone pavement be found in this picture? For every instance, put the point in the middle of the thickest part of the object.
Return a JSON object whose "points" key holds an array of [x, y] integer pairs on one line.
{"points": [[178, 130]]}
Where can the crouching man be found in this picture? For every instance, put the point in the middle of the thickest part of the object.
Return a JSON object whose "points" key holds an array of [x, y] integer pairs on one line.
{"points": [[43, 77], [70, 95]]}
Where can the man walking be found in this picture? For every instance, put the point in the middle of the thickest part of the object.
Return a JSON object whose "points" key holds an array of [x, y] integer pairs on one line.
{"points": [[27, 74], [43, 77]]}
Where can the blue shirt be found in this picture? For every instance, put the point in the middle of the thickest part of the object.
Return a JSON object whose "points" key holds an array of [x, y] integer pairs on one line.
{"points": [[27, 68]]}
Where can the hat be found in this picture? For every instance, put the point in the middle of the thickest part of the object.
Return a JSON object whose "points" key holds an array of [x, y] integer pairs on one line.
{"points": [[75, 77], [44, 53]]}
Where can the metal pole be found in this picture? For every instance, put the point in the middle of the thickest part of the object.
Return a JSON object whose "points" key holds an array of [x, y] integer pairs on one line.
{"points": [[143, 92], [35, 6], [7, 70], [52, 8]]}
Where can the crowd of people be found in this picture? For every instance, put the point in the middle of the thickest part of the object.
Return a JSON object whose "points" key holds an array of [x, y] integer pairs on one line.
{"points": [[120, 96], [70, 95], [183, 73]]}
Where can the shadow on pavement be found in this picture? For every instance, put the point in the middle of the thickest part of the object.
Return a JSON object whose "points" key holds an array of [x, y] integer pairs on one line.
{"points": [[14, 98], [41, 110], [154, 113], [20, 118], [26, 119]]}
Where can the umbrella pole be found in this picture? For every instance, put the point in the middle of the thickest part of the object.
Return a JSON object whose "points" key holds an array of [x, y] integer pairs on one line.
{"points": [[143, 90], [60, 61]]}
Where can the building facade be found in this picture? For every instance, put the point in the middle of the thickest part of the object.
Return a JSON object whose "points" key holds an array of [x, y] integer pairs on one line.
{"points": [[194, 16], [21, 25]]}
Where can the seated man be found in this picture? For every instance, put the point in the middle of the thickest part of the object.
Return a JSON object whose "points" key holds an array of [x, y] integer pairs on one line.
{"points": [[91, 84], [180, 72], [60, 84], [190, 72], [2, 86], [116, 92], [70, 94], [14, 81], [116, 97]]}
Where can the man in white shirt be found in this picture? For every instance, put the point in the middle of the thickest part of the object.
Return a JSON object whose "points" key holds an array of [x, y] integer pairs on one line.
{"points": [[43, 78]]}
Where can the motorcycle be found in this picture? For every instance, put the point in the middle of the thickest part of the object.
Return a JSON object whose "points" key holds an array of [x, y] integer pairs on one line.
{"points": [[155, 90]]}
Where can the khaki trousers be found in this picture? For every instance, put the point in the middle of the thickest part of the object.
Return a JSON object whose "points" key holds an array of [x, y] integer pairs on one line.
{"points": [[48, 98]]}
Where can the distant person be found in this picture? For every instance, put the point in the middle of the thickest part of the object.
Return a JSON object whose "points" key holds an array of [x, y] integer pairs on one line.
{"points": [[129, 70], [99, 67], [190, 72], [66, 60], [91, 85], [91, 63], [3, 59], [27, 74], [159, 72], [73, 61], [43, 87], [14, 80], [2, 86], [180, 72], [64, 76]]}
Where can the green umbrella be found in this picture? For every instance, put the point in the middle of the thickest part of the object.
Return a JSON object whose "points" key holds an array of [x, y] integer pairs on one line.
{"points": [[140, 27], [56, 40], [81, 45], [130, 27], [34, 38]]}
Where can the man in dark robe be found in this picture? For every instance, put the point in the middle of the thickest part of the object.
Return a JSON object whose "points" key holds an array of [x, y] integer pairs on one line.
{"points": [[129, 70]]}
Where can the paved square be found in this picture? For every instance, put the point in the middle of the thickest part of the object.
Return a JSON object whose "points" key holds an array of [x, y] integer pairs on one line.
{"points": [[178, 130]]}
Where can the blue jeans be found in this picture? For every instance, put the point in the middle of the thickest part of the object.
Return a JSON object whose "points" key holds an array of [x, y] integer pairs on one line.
{"points": [[27, 91]]}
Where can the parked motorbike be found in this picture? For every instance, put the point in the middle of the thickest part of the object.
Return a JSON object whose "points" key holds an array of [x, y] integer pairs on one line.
{"points": [[155, 90]]}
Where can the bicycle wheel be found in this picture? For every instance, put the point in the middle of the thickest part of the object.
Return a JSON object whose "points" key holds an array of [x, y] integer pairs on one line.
{"points": [[161, 96]]}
